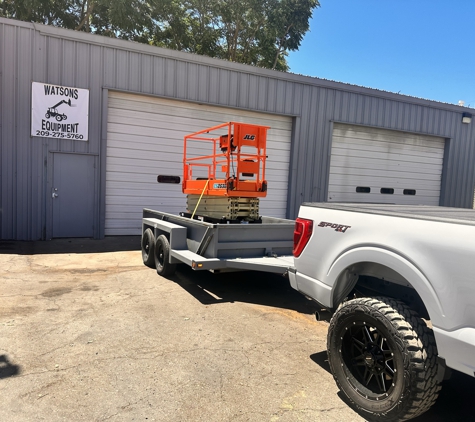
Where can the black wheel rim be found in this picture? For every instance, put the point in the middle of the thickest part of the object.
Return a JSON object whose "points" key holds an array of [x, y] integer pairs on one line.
{"points": [[369, 358], [146, 246], [160, 255]]}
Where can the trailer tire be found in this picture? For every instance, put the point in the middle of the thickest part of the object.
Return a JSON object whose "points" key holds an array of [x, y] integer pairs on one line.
{"points": [[383, 358], [162, 256], [148, 248]]}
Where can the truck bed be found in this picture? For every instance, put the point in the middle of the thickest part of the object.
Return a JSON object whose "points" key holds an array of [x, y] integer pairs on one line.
{"points": [[420, 212]]}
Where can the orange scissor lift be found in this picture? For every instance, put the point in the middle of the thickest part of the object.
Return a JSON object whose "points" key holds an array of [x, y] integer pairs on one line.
{"points": [[228, 180]]}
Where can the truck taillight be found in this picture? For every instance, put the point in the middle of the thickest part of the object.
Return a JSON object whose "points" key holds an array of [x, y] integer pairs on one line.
{"points": [[302, 233]]}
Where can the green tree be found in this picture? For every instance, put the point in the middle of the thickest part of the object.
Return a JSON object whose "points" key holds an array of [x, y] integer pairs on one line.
{"points": [[47, 12], [289, 23], [255, 32]]}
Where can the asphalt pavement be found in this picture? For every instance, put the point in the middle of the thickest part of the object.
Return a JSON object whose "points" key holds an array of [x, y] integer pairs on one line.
{"points": [[88, 333]]}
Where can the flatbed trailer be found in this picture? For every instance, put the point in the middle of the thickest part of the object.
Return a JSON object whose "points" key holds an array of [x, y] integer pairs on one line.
{"points": [[168, 240]]}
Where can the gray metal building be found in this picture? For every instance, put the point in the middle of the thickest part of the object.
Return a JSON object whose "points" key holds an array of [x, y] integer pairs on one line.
{"points": [[329, 141]]}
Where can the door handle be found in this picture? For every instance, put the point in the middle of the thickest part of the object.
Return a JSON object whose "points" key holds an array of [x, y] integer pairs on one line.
{"points": [[54, 194]]}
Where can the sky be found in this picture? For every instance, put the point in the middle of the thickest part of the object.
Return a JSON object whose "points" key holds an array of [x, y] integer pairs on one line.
{"points": [[422, 48]]}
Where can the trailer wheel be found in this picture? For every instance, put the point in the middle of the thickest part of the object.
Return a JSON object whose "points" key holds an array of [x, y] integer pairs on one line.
{"points": [[148, 248], [162, 256], [383, 358]]}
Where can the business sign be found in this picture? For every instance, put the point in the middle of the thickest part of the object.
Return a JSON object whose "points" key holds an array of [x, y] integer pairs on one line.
{"points": [[59, 112]]}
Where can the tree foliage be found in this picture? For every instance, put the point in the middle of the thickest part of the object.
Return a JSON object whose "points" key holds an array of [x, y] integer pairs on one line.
{"points": [[255, 32]]}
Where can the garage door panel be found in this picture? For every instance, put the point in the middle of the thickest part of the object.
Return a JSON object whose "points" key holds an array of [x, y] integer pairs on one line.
{"points": [[395, 156], [207, 115], [381, 150], [151, 164], [120, 165], [380, 199], [163, 124], [145, 155], [165, 107], [385, 135], [137, 144], [348, 149], [151, 201], [140, 190], [360, 175], [381, 187], [358, 162], [398, 190], [378, 158], [121, 176], [129, 213], [155, 152], [393, 170], [145, 139], [276, 143]]}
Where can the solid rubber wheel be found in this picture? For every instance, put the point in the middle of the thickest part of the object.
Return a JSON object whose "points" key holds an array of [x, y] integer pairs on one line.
{"points": [[162, 256], [148, 248], [383, 358]]}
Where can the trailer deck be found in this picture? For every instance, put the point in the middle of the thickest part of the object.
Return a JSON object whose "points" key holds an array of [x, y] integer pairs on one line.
{"points": [[266, 246]]}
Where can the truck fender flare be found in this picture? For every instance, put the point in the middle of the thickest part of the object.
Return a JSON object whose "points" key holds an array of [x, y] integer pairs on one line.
{"points": [[389, 259]]}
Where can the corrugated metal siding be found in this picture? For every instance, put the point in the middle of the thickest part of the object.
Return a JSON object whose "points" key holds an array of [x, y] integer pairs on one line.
{"points": [[31, 52], [27, 56]]}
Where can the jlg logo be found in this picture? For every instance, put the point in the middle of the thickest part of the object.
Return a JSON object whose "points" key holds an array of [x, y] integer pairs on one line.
{"points": [[249, 137]]}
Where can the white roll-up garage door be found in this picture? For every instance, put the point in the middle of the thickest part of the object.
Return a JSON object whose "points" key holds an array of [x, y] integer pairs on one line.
{"points": [[145, 139], [384, 166]]}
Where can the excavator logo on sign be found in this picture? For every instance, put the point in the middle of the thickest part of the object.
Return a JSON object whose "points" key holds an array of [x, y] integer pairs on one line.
{"points": [[53, 111], [249, 137]]}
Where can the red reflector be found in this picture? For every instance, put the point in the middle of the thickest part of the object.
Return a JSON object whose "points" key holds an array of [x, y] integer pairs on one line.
{"points": [[302, 234]]}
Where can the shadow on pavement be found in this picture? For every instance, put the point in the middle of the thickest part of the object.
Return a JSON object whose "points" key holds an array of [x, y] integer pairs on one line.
{"points": [[321, 359], [247, 286], [7, 369], [76, 245]]}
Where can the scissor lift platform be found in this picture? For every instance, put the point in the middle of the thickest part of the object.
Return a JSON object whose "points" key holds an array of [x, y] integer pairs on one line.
{"points": [[227, 160]]}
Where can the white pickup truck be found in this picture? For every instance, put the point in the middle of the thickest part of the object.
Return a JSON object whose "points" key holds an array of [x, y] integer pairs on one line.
{"points": [[399, 281]]}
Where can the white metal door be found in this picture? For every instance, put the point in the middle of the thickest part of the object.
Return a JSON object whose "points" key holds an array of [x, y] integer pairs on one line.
{"points": [[384, 166], [145, 139]]}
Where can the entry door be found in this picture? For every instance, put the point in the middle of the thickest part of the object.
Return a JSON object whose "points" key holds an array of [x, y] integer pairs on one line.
{"points": [[73, 195]]}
